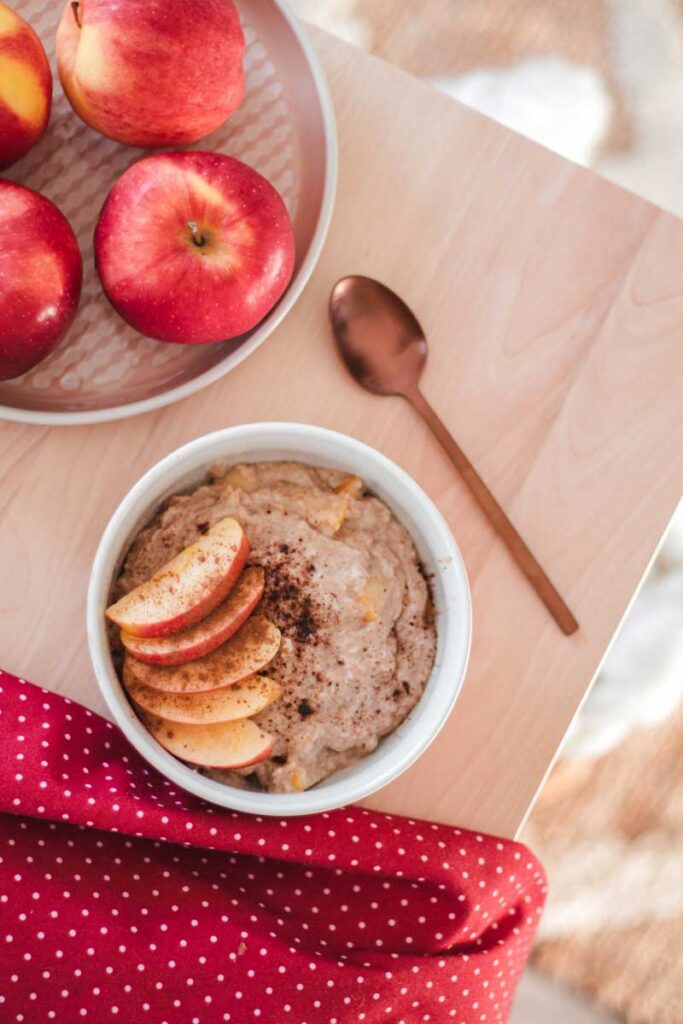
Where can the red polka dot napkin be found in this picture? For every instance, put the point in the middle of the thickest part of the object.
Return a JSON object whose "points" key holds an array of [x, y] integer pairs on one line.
{"points": [[124, 899]]}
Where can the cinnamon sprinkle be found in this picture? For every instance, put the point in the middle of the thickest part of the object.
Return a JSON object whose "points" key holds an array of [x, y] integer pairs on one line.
{"points": [[289, 598]]}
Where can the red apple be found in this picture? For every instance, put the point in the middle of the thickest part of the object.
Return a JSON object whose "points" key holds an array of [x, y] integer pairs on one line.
{"points": [[225, 745], [209, 634], [193, 247], [241, 700], [25, 87], [245, 654], [40, 278], [152, 74], [188, 587]]}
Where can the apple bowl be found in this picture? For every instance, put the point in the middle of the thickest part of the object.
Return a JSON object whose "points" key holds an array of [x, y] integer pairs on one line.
{"points": [[284, 129], [436, 548]]}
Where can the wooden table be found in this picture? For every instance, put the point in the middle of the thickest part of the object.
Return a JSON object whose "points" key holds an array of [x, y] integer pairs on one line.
{"points": [[553, 304]]}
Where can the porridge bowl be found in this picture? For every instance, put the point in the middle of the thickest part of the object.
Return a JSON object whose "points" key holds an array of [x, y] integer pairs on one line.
{"points": [[419, 627]]}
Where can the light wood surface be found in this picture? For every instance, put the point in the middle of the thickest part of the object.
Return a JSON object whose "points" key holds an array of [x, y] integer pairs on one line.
{"points": [[552, 301]]}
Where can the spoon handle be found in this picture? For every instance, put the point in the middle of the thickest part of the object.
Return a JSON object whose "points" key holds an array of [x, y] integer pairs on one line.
{"points": [[497, 517]]}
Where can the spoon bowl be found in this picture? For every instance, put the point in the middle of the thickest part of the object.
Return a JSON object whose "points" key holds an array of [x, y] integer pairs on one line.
{"points": [[378, 336]]}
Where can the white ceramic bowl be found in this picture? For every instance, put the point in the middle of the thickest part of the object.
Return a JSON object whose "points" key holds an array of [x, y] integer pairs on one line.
{"points": [[435, 545]]}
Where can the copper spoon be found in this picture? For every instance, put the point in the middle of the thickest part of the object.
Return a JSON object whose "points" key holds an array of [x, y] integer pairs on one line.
{"points": [[385, 350]]}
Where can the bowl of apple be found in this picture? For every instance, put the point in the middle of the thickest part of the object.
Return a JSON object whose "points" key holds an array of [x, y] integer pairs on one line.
{"points": [[189, 160]]}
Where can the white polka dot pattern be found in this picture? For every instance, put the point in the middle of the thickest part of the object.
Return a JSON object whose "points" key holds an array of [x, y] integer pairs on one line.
{"points": [[124, 898]]}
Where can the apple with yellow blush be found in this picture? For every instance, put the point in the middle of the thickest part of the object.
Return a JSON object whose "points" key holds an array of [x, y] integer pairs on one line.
{"points": [[152, 73], [25, 87]]}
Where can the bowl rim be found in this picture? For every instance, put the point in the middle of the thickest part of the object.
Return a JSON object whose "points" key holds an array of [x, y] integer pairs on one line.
{"points": [[284, 306], [449, 568]]}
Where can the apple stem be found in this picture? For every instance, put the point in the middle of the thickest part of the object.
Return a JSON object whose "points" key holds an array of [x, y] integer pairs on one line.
{"points": [[197, 236], [76, 7]]}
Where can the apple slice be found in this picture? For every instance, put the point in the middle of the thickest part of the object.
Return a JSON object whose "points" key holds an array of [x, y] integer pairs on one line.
{"points": [[188, 587], [241, 700], [208, 634], [352, 485], [327, 511], [373, 598], [219, 745], [246, 653]]}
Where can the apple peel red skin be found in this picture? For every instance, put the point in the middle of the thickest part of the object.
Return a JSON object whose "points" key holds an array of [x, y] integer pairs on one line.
{"points": [[193, 247], [41, 272], [152, 74], [20, 45], [194, 612], [181, 648], [18, 134], [156, 726], [244, 764], [244, 699], [246, 653]]}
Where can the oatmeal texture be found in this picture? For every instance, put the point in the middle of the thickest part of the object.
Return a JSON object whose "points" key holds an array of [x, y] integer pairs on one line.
{"points": [[344, 586]]}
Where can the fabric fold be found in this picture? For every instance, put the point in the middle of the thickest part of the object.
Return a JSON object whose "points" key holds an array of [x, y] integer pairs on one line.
{"points": [[123, 897]]}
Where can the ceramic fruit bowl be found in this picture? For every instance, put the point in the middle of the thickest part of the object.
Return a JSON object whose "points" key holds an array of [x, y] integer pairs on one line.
{"points": [[284, 129]]}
